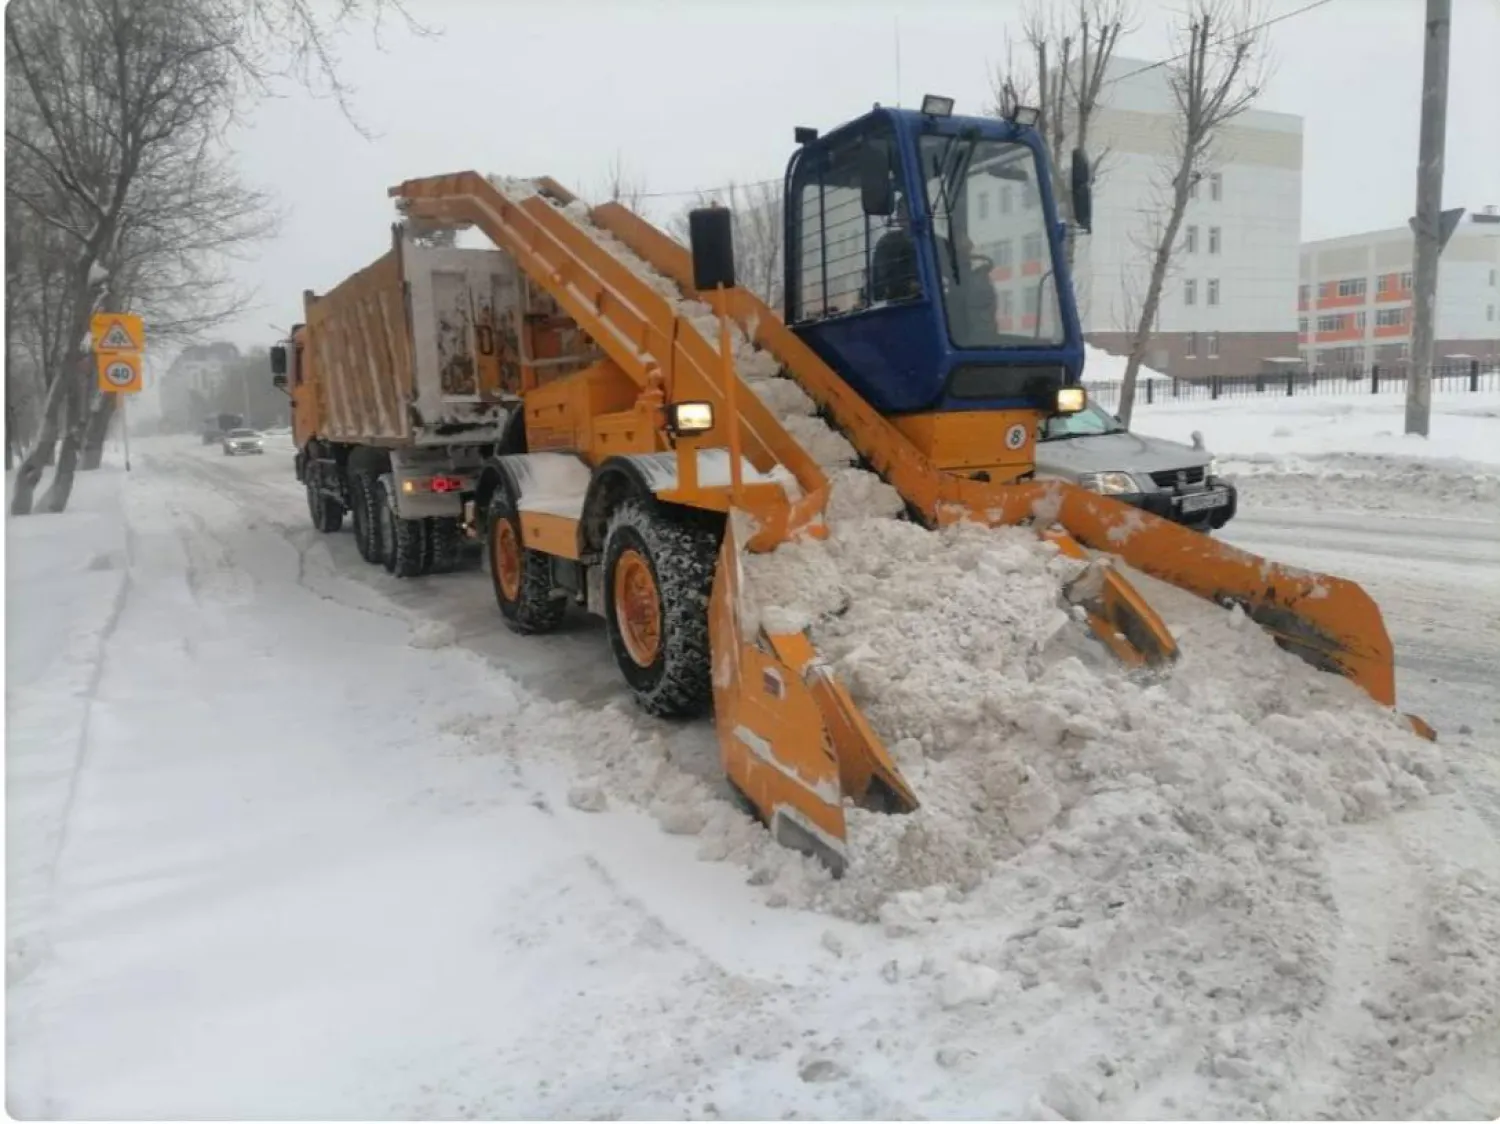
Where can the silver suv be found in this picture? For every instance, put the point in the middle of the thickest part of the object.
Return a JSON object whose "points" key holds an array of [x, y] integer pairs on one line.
{"points": [[1178, 482]]}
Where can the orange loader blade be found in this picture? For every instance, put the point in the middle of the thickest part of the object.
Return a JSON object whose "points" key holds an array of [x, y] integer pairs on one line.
{"points": [[1331, 623]]}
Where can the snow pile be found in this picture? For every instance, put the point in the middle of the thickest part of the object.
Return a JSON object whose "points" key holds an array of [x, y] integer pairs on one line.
{"points": [[1103, 366]]}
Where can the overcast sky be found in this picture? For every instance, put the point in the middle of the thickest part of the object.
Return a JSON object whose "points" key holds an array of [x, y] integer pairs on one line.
{"points": [[695, 94]]}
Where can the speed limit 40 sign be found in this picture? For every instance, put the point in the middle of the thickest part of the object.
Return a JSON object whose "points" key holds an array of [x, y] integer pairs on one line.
{"points": [[119, 372]]}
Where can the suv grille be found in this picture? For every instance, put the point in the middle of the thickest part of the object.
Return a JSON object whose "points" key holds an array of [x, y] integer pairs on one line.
{"points": [[1168, 478]]}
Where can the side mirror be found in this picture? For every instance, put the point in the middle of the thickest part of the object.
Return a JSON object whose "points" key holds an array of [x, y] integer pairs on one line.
{"points": [[278, 362], [877, 193], [711, 232], [1083, 191]]}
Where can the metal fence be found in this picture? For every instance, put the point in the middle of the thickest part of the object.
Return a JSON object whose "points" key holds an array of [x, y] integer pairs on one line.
{"points": [[1469, 377]]}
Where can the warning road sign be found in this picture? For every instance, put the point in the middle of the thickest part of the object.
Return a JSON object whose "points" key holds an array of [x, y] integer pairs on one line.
{"points": [[120, 373], [117, 331]]}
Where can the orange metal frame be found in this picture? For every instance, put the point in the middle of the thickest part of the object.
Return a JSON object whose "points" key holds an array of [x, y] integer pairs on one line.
{"points": [[1329, 621]]}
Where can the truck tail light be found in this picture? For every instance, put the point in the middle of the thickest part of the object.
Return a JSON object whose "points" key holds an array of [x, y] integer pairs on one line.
{"points": [[440, 484]]}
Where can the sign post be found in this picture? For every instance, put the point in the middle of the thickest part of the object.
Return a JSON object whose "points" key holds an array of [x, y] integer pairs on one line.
{"points": [[119, 338]]}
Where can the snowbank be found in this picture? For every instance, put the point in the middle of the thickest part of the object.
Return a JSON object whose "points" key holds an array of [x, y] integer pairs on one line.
{"points": [[1104, 366], [1276, 431]]}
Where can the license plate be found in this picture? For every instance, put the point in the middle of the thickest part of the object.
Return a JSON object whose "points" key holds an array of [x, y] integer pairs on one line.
{"points": [[1204, 500]]}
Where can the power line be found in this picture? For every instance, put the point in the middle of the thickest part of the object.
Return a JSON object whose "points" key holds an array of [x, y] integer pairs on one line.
{"points": [[1109, 82], [1222, 39]]}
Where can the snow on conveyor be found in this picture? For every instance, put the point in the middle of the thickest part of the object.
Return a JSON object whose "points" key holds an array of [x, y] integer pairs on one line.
{"points": [[1189, 853]]}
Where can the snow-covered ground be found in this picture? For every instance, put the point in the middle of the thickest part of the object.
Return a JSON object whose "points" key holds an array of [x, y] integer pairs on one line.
{"points": [[287, 837], [1274, 431], [294, 838]]}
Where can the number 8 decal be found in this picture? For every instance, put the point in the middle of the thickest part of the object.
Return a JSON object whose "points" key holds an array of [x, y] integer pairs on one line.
{"points": [[1015, 437]]}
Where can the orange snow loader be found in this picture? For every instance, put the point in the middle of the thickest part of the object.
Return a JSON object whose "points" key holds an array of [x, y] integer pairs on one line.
{"points": [[638, 466]]}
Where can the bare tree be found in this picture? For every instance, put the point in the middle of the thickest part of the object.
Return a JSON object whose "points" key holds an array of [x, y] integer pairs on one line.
{"points": [[1067, 52], [1215, 76], [622, 186], [114, 120]]}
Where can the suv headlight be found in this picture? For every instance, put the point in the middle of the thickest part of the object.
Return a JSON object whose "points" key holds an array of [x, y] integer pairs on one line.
{"points": [[1109, 483], [1213, 467]]}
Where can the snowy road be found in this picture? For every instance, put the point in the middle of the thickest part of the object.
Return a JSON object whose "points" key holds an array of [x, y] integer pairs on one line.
{"points": [[1437, 581], [280, 845]]}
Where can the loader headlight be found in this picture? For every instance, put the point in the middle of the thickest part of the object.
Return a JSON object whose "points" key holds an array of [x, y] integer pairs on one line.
{"points": [[1213, 466], [1071, 399], [690, 417], [1109, 483]]}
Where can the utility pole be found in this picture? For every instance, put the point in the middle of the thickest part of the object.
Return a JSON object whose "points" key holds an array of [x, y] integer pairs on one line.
{"points": [[1429, 238]]}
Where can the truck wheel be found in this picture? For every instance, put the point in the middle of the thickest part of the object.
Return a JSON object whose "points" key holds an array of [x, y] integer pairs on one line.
{"points": [[366, 518], [385, 525], [658, 572], [412, 555], [522, 578], [445, 544], [326, 512]]}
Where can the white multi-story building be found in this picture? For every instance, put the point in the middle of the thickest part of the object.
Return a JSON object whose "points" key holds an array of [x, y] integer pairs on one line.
{"points": [[1354, 303], [1227, 304], [191, 381]]}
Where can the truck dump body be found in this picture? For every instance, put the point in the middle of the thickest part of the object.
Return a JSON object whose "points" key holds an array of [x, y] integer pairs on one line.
{"points": [[421, 347]]}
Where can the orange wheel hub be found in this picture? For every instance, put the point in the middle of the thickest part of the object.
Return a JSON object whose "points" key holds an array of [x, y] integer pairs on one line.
{"points": [[637, 607], [505, 558]]}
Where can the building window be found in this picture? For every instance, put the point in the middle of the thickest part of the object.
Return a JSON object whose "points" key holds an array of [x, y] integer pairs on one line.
{"points": [[1406, 281], [1216, 186], [1192, 345], [1301, 294], [1007, 304], [1005, 253], [1213, 345], [1213, 240], [1213, 290], [1389, 317], [1489, 312], [1193, 186], [1353, 287], [1031, 247], [1359, 321], [1330, 323], [1190, 292], [1302, 325], [1492, 278], [984, 204], [1005, 198], [1192, 239], [1383, 284]]}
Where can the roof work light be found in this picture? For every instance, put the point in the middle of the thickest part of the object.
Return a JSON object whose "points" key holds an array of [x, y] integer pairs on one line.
{"points": [[935, 105]]}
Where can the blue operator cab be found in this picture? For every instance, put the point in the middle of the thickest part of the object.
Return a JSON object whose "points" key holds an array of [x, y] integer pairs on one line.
{"points": [[925, 264]]}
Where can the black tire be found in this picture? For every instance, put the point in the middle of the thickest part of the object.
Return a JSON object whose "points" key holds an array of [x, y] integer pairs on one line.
{"points": [[327, 513], [529, 606], [384, 524], [680, 552], [445, 545], [410, 555], [366, 520]]}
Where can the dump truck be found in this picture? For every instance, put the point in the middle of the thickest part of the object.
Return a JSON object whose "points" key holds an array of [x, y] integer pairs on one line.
{"points": [[633, 480], [402, 379]]}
